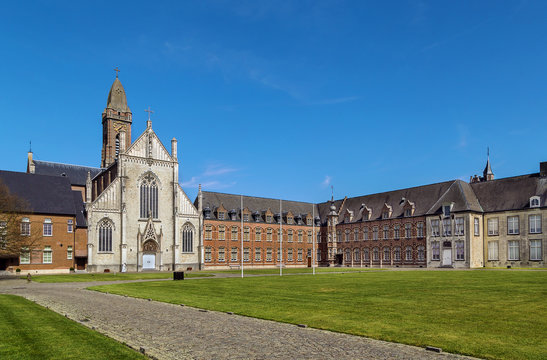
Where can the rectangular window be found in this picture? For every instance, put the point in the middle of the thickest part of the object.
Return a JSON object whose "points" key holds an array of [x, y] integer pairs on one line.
{"points": [[300, 254], [269, 235], [47, 227], [258, 234], [356, 235], [245, 217], [460, 250], [233, 254], [24, 258], [221, 254], [513, 254], [208, 232], [234, 233], [347, 235], [435, 250], [421, 253], [221, 215], [318, 255], [318, 238], [435, 227], [459, 226], [269, 254], [386, 232], [365, 234], [420, 228], [289, 255], [278, 255], [535, 224], [289, 234], [69, 226], [69, 252], [493, 227], [258, 254], [447, 227], [208, 254], [396, 232], [476, 226], [268, 219], [375, 233], [246, 233], [309, 221], [408, 231], [221, 232], [47, 255], [246, 254], [535, 250], [512, 225], [492, 250], [300, 236], [310, 237]]}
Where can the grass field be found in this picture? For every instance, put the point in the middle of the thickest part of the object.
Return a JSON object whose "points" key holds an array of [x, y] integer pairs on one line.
{"points": [[108, 277], [489, 314], [29, 331]]}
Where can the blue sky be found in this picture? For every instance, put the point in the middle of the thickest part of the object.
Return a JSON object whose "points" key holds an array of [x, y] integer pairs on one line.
{"points": [[284, 98]]}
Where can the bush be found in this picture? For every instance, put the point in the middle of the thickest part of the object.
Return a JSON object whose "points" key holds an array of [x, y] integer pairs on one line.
{"points": [[18, 270], [71, 269]]}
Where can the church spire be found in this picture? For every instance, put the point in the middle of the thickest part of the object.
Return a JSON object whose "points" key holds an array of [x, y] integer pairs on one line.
{"points": [[116, 118], [487, 173]]}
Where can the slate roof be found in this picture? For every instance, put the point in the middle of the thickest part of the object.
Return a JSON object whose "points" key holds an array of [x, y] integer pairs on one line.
{"points": [[44, 194], [77, 174], [511, 193], [79, 209], [424, 198], [233, 202]]}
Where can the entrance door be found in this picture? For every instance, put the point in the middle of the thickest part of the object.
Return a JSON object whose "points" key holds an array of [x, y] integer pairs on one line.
{"points": [[339, 259], [148, 261], [447, 257]]}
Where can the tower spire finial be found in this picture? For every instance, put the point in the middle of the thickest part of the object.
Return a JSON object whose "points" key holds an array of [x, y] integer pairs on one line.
{"points": [[488, 151], [30, 146], [117, 71], [332, 192]]}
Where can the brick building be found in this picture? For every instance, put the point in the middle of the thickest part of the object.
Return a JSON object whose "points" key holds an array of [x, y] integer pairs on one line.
{"points": [[56, 217], [260, 221]]}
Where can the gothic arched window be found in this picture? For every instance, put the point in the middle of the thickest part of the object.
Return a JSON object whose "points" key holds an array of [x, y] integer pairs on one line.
{"points": [[105, 236], [187, 239], [149, 197]]}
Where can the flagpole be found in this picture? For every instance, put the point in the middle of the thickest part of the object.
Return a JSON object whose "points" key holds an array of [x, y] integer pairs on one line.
{"points": [[280, 239], [313, 255], [242, 251]]}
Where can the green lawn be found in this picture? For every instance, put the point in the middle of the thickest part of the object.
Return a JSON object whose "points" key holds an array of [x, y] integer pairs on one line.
{"points": [[489, 314], [108, 277], [29, 331]]}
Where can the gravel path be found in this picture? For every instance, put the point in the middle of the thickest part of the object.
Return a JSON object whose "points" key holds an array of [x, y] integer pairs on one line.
{"points": [[169, 331]]}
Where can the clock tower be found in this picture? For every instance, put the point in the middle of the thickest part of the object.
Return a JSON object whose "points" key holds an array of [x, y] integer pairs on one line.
{"points": [[116, 117]]}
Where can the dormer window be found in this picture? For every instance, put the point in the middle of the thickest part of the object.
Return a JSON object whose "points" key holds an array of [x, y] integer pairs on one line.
{"points": [[221, 215], [386, 211], [309, 221], [245, 217], [385, 215], [290, 220], [268, 219], [233, 215], [257, 216], [447, 208], [534, 202], [408, 212]]}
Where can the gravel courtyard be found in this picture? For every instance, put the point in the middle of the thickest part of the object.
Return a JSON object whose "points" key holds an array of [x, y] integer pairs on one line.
{"points": [[169, 331]]}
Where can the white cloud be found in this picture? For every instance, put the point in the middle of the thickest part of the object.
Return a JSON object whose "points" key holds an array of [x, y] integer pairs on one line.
{"points": [[210, 180], [327, 181]]}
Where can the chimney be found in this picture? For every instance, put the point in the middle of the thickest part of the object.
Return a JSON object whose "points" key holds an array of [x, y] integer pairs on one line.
{"points": [[174, 148], [200, 200], [122, 141], [543, 169], [30, 163]]}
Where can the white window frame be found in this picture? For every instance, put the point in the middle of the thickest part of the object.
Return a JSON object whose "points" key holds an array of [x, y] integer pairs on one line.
{"points": [[536, 251], [208, 254], [493, 250], [459, 226], [258, 254], [476, 227], [69, 253], [513, 250], [69, 226], [460, 250], [47, 227], [435, 250], [47, 255], [534, 221], [493, 226], [513, 225], [221, 254]]}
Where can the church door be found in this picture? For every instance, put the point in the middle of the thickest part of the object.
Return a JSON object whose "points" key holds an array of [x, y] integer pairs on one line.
{"points": [[149, 261]]}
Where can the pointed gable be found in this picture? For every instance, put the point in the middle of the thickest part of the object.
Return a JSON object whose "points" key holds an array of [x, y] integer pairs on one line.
{"points": [[148, 145]]}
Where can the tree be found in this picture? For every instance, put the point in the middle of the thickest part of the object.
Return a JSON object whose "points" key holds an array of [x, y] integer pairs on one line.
{"points": [[15, 237]]}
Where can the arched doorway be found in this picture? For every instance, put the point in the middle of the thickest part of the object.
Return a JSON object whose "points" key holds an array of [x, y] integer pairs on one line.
{"points": [[149, 250]]}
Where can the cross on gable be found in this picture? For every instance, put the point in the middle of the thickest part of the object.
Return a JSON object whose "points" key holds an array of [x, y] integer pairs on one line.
{"points": [[149, 112], [117, 71]]}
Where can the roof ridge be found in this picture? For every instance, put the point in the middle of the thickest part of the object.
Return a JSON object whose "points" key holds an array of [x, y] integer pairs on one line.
{"points": [[258, 197], [59, 163]]}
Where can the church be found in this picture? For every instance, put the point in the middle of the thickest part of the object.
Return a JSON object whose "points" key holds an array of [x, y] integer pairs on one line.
{"points": [[137, 215]]}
